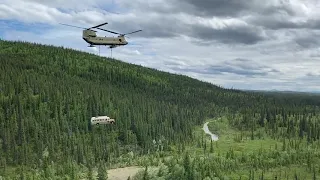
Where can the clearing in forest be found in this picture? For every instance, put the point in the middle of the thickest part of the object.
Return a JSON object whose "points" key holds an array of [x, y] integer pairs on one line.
{"points": [[123, 173]]}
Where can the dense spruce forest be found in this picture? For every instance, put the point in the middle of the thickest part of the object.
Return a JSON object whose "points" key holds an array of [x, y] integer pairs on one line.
{"points": [[48, 95]]}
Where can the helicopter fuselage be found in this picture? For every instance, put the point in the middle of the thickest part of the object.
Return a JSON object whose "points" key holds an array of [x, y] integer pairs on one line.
{"points": [[90, 37]]}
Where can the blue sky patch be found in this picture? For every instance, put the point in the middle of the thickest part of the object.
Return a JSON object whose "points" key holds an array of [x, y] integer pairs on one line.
{"points": [[39, 28]]}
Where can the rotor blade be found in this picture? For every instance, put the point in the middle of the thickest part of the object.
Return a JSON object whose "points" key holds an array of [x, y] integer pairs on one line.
{"points": [[99, 25], [108, 31], [132, 32], [73, 26]]}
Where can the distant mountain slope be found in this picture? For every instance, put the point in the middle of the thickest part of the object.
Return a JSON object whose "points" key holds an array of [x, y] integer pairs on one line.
{"points": [[48, 94], [285, 92]]}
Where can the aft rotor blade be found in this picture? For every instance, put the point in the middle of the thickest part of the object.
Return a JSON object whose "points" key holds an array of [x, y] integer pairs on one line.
{"points": [[108, 31], [133, 32], [73, 26], [99, 25]]}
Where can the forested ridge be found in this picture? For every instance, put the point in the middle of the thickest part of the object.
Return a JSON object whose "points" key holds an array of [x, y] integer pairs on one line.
{"points": [[48, 95]]}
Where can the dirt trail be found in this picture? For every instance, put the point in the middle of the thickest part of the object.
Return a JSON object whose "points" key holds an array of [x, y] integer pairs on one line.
{"points": [[123, 173]]}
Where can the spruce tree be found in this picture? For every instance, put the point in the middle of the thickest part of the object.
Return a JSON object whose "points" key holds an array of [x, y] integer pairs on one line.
{"points": [[102, 172], [145, 174]]}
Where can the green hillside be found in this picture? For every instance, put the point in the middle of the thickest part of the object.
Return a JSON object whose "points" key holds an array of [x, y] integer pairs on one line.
{"points": [[48, 95]]}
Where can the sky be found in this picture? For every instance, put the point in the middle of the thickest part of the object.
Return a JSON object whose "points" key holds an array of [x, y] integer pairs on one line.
{"points": [[240, 44]]}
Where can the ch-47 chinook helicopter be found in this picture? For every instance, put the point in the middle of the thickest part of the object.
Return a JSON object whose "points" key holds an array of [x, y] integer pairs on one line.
{"points": [[92, 39]]}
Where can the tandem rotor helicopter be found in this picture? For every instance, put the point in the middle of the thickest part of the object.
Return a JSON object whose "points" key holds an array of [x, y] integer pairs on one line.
{"points": [[92, 39]]}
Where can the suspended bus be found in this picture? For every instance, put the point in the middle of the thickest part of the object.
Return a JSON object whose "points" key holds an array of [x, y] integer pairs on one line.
{"points": [[101, 120]]}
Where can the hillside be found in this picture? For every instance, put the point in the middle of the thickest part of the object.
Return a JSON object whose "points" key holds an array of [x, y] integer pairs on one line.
{"points": [[48, 95]]}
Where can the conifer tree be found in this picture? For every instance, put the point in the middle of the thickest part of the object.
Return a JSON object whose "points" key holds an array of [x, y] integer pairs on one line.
{"points": [[102, 172], [145, 174]]}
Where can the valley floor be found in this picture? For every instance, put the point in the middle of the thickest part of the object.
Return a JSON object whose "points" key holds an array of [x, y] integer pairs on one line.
{"points": [[235, 155], [238, 155]]}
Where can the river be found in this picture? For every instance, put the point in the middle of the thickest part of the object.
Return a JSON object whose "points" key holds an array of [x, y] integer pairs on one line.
{"points": [[207, 131]]}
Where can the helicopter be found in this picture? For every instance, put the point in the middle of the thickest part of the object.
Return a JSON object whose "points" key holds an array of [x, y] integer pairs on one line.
{"points": [[92, 39]]}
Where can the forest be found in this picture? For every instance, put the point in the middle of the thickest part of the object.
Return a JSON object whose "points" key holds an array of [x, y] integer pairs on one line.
{"points": [[48, 95]]}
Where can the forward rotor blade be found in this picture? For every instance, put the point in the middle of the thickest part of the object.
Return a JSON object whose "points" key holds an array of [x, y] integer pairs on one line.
{"points": [[99, 25], [73, 26], [133, 32], [108, 31]]}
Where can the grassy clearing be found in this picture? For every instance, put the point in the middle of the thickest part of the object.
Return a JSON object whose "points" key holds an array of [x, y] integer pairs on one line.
{"points": [[229, 139], [281, 173]]}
